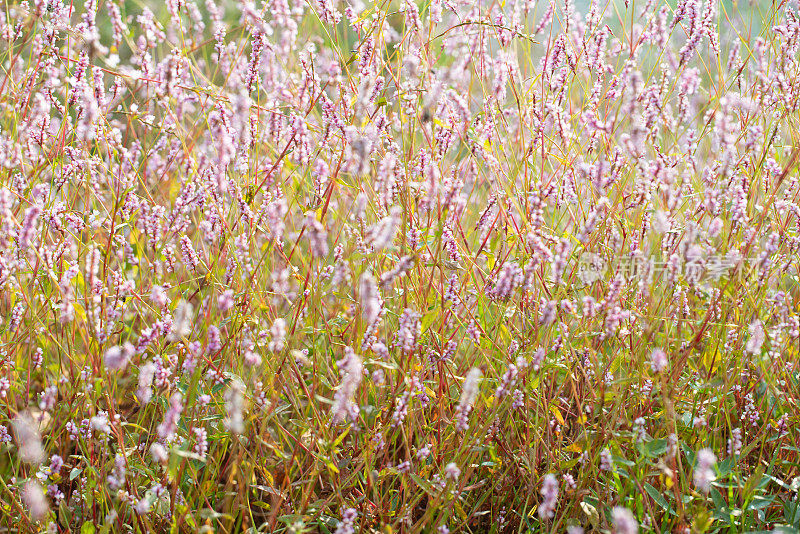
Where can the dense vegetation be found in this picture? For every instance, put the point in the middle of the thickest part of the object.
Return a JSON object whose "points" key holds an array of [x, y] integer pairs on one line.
{"points": [[456, 266]]}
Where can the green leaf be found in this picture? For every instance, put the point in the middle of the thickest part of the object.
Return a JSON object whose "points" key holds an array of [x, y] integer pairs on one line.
{"points": [[725, 467], [428, 319], [759, 503], [619, 460], [791, 513], [753, 481], [591, 513], [719, 502], [425, 485], [87, 528], [654, 448], [702, 521], [658, 498]]}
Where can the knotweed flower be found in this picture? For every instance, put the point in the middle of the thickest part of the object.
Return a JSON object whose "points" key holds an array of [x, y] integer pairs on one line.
{"points": [[16, 317], [401, 408], [117, 479], [404, 264], [99, 423], [195, 221], [408, 330], [658, 360], [474, 332], [159, 453], [29, 443], [144, 504], [469, 392], [201, 444], [190, 258], [225, 301], [451, 293], [117, 357], [639, 429], [351, 371], [623, 520], [538, 359], [370, 298], [213, 343], [234, 407], [606, 460], [183, 321], [56, 494], [278, 333], [549, 494], [782, 425], [146, 374], [318, 237], [166, 430], [383, 233], [28, 226], [704, 470], [509, 278], [56, 463], [252, 358], [34, 498], [756, 337], [159, 296], [347, 524], [424, 452], [735, 442], [452, 471], [519, 400], [48, 398]]}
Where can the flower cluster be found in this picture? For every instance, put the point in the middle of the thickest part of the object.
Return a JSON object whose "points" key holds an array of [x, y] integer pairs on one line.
{"points": [[299, 266]]}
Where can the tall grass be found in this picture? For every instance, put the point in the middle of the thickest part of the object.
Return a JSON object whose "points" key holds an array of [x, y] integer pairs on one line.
{"points": [[454, 266]]}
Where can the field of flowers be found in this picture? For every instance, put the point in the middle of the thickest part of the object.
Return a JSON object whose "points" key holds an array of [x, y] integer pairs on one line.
{"points": [[328, 266]]}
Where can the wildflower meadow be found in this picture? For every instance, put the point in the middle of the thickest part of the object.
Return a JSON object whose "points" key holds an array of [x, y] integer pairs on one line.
{"points": [[448, 266]]}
